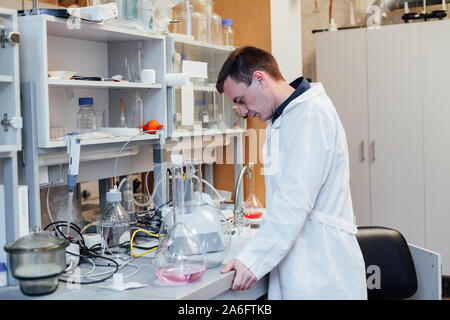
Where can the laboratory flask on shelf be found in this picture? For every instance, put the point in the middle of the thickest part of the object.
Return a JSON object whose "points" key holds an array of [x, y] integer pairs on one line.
{"points": [[115, 228], [179, 258]]}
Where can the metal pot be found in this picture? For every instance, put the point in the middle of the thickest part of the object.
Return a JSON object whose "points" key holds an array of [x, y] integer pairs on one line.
{"points": [[36, 260]]}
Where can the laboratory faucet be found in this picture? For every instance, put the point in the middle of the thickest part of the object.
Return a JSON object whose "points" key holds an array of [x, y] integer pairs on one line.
{"points": [[237, 210]]}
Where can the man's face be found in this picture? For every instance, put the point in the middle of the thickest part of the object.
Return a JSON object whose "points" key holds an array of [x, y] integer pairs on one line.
{"points": [[252, 101]]}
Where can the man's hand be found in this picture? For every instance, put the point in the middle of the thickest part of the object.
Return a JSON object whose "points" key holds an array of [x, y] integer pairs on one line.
{"points": [[243, 279]]}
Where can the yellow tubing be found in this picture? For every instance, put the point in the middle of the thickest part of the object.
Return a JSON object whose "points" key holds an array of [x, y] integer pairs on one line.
{"points": [[131, 242]]}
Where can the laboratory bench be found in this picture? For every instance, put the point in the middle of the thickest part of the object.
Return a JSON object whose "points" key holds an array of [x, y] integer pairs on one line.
{"points": [[213, 285]]}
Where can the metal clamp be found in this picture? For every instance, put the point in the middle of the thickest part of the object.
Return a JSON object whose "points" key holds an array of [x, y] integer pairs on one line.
{"points": [[12, 38], [14, 122]]}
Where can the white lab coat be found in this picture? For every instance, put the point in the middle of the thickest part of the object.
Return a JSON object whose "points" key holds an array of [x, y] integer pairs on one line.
{"points": [[307, 235]]}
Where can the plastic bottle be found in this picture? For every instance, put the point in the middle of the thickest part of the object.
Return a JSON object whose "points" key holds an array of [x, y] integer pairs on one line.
{"points": [[115, 228], [3, 275], [227, 32], [86, 117]]}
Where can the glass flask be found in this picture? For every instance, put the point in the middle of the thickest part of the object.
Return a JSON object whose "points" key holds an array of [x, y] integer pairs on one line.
{"points": [[115, 228], [206, 222], [252, 207], [86, 116], [179, 258]]}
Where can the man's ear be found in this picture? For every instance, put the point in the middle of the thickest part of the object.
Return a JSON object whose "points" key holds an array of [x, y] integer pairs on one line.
{"points": [[261, 78]]}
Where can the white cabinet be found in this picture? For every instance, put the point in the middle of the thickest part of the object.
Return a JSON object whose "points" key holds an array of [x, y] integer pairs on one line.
{"points": [[341, 67], [436, 101], [396, 129], [389, 87]]}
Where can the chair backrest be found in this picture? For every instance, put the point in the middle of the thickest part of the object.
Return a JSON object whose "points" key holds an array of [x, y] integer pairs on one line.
{"points": [[386, 251]]}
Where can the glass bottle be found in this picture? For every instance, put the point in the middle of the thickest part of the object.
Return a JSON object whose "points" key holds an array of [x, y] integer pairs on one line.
{"points": [[215, 25], [138, 114], [183, 13], [86, 116], [115, 228], [227, 32]]}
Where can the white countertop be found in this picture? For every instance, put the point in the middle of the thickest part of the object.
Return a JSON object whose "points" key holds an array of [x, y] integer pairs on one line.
{"points": [[213, 285]]}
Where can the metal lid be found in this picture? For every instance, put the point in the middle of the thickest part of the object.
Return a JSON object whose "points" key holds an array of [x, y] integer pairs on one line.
{"points": [[36, 241]]}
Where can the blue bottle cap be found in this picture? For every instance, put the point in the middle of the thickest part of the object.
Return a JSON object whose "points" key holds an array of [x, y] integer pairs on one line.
{"points": [[227, 22], [86, 101], [3, 267]]}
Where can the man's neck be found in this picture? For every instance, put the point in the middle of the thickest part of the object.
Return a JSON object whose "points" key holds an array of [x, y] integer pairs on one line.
{"points": [[281, 90]]}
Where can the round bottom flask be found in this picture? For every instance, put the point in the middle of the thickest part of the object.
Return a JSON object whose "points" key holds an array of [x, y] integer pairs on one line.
{"points": [[179, 258]]}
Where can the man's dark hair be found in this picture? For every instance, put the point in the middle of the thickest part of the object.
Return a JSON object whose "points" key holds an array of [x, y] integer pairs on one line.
{"points": [[243, 62]]}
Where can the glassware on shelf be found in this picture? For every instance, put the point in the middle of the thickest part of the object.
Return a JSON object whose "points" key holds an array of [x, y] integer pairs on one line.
{"points": [[86, 116], [227, 32], [138, 114], [182, 14], [215, 25], [203, 113], [200, 26], [115, 228]]}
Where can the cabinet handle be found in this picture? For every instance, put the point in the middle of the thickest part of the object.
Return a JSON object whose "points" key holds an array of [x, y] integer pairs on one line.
{"points": [[363, 158], [373, 151]]}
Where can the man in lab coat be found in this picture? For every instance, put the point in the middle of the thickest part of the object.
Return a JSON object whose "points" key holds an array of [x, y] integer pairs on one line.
{"points": [[307, 236]]}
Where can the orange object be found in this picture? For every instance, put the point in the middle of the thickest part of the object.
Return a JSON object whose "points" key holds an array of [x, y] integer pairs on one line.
{"points": [[152, 126], [256, 214]]}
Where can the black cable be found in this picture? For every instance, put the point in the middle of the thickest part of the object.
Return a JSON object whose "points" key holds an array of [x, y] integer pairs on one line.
{"points": [[73, 226]]}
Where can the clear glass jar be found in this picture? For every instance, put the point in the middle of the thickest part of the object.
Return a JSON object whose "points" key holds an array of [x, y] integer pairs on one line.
{"points": [[115, 228], [227, 32], [215, 35], [86, 116], [200, 26], [182, 13]]}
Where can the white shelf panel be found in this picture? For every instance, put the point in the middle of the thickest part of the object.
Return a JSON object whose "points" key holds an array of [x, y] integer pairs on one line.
{"points": [[62, 144], [9, 148], [6, 79], [180, 38], [95, 32], [101, 84], [208, 132]]}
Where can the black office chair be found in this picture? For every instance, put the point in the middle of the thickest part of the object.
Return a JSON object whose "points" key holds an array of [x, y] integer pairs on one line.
{"points": [[387, 249]]}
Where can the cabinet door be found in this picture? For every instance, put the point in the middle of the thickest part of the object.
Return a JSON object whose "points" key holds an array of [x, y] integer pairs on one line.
{"points": [[342, 69], [396, 129], [436, 97]]}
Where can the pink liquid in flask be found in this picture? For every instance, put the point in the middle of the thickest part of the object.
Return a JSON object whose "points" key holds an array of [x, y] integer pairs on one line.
{"points": [[181, 274]]}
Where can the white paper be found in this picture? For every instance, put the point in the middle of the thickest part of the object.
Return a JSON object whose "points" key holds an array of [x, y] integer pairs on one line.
{"points": [[195, 69], [187, 104]]}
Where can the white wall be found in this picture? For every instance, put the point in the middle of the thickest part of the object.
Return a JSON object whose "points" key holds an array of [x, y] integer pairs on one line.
{"points": [[286, 25]]}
